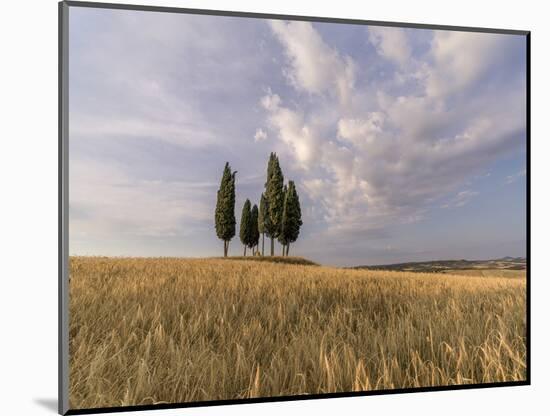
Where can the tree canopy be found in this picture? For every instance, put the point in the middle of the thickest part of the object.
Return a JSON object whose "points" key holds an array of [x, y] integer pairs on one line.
{"points": [[292, 217], [245, 230], [263, 219], [225, 208], [254, 232], [275, 198]]}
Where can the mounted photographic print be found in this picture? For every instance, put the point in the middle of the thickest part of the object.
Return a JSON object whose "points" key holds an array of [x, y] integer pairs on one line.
{"points": [[262, 207]]}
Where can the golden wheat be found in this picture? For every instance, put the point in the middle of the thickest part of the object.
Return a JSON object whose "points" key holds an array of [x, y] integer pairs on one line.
{"points": [[146, 331], [490, 273]]}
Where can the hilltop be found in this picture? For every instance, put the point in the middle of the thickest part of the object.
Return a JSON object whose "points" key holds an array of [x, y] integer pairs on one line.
{"points": [[275, 259]]}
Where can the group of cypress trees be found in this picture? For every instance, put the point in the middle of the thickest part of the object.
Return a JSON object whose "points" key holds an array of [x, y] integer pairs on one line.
{"points": [[278, 217], [249, 233]]}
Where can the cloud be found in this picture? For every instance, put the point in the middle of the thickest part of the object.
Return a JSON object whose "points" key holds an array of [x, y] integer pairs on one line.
{"points": [[391, 43], [260, 135], [359, 131], [188, 133], [460, 199], [314, 66], [462, 58], [387, 154], [135, 78], [292, 129], [510, 179], [132, 208]]}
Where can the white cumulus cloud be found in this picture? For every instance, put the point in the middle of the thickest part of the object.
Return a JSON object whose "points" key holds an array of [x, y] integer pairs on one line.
{"points": [[376, 157], [391, 43]]}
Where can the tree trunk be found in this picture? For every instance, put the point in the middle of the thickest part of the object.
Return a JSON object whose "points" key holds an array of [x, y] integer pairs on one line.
{"points": [[272, 246], [224, 248], [244, 251], [287, 248], [263, 236], [283, 250]]}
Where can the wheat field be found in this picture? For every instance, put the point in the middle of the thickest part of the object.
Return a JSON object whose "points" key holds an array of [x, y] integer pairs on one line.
{"points": [[167, 330]]}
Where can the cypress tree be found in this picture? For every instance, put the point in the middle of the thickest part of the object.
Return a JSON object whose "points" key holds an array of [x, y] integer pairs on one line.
{"points": [[254, 233], [282, 235], [244, 233], [275, 199], [292, 218], [263, 218], [225, 208]]}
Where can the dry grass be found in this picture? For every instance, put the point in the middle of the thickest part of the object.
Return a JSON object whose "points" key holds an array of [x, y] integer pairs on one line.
{"points": [[506, 273], [146, 331]]}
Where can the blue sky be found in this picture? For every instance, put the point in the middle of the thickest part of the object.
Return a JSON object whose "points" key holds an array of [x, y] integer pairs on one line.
{"points": [[405, 144]]}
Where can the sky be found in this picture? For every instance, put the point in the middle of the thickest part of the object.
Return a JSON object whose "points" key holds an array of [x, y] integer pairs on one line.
{"points": [[404, 144]]}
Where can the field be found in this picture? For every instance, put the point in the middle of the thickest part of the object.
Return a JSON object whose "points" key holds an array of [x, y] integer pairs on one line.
{"points": [[146, 331], [489, 273]]}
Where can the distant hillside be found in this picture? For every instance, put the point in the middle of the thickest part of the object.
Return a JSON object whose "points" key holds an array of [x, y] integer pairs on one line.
{"points": [[439, 266]]}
